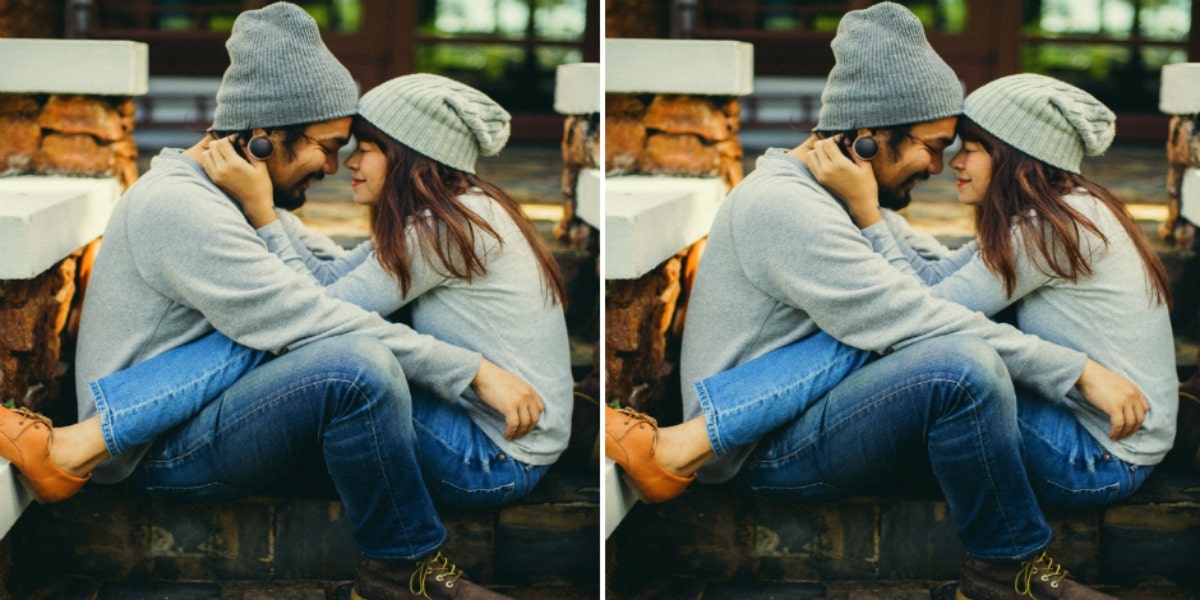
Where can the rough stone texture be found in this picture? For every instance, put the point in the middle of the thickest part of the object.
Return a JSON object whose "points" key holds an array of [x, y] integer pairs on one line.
{"points": [[113, 534], [31, 19], [90, 115], [33, 315], [53, 135], [636, 18], [580, 150], [638, 315], [678, 154], [686, 114], [1152, 537], [73, 154], [20, 137], [673, 135]]}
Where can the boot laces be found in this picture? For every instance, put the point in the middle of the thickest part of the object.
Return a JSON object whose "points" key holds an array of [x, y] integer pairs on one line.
{"points": [[636, 415], [1042, 567], [447, 573], [28, 415]]}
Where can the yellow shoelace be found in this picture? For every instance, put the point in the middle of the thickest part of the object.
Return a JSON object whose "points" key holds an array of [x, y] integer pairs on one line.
{"points": [[635, 415], [448, 573], [1030, 568]]}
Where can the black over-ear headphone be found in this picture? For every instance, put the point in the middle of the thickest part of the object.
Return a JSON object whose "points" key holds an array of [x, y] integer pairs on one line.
{"points": [[262, 148], [865, 147]]}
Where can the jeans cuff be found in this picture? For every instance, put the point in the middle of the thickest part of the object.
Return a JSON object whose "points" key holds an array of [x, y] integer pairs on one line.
{"points": [[110, 439], [710, 419]]}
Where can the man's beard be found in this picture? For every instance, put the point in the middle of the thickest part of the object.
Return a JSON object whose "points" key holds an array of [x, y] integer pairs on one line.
{"points": [[899, 197], [296, 196]]}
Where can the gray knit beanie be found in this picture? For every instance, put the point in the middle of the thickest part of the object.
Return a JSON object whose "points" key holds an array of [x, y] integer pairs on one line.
{"points": [[1050, 120], [281, 73], [886, 73], [450, 122]]}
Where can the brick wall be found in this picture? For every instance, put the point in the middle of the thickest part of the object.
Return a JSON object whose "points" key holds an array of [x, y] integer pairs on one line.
{"points": [[50, 134], [674, 135], [580, 150]]}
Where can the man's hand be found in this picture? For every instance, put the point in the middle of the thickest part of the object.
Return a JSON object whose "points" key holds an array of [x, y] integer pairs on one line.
{"points": [[510, 396], [1122, 401], [851, 180], [247, 181]]}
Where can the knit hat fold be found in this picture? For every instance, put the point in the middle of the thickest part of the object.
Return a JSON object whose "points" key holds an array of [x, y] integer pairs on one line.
{"points": [[1050, 120], [450, 122], [886, 73], [281, 73]]}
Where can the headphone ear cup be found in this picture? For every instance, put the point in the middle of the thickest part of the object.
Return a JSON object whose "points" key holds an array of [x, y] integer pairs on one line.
{"points": [[261, 147], [865, 147]]}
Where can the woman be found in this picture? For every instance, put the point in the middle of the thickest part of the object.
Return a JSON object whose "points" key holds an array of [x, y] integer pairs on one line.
{"points": [[445, 241], [1049, 237]]}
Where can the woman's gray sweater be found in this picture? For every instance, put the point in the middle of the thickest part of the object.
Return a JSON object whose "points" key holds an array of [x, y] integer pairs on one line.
{"points": [[507, 315], [1110, 315]]}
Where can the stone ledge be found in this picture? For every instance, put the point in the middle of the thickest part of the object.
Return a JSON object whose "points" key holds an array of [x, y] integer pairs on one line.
{"points": [[102, 67], [13, 497], [44, 219], [648, 219], [618, 497], [703, 67], [587, 196], [577, 89], [721, 532]]}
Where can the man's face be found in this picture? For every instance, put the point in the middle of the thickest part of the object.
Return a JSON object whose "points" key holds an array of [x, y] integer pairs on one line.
{"points": [[916, 158], [312, 158]]}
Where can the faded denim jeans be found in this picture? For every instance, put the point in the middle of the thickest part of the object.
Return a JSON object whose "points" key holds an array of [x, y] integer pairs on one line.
{"points": [[227, 421], [1066, 465], [947, 404]]}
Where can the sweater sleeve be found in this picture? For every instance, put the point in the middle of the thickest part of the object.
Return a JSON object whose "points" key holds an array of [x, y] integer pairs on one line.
{"points": [[326, 260], [200, 252], [802, 249], [977, 287]]}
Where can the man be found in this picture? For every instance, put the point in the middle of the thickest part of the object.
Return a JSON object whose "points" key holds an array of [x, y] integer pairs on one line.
{"points": [[179, 260], [784, 260]]}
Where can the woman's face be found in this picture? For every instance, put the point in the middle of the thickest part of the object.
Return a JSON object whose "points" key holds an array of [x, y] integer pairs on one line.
{"points": [[974, 168], [368, 172]]}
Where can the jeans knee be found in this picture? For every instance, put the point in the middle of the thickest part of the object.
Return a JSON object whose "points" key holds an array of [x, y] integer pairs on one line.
{"points": [[973, 373], [366, 362]]}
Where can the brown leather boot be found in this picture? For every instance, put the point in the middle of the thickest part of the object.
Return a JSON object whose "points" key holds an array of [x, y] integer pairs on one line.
{"points": [[1041, 578], [434, 577]]}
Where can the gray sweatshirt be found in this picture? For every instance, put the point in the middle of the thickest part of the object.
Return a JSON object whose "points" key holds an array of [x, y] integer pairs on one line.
{"points": [[1111, 316], [506, 315], [784, 259], [180, 260]]}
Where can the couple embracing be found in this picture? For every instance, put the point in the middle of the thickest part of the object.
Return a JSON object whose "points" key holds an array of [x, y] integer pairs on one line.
{"points": [[226, 350], [830, 349]]}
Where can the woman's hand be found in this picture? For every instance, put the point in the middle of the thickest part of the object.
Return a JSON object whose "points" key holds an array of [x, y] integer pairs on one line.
{"points": [[247, 181], [1122, 401], [852, 180], [510, 396]]}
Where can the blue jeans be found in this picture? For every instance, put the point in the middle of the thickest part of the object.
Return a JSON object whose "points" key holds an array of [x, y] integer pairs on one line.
{"points": [[948, 403], [337, 410], [1067, 466], [749, 401]]}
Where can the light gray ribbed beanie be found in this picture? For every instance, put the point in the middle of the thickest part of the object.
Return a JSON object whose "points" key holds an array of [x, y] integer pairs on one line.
{"points": [[281, 73], [450, 122], [886, 73], [1050, 120]]}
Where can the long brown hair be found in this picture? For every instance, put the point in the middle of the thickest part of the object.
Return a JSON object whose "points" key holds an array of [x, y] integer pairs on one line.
{"points": [[418, 185], [1022, 186]]}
